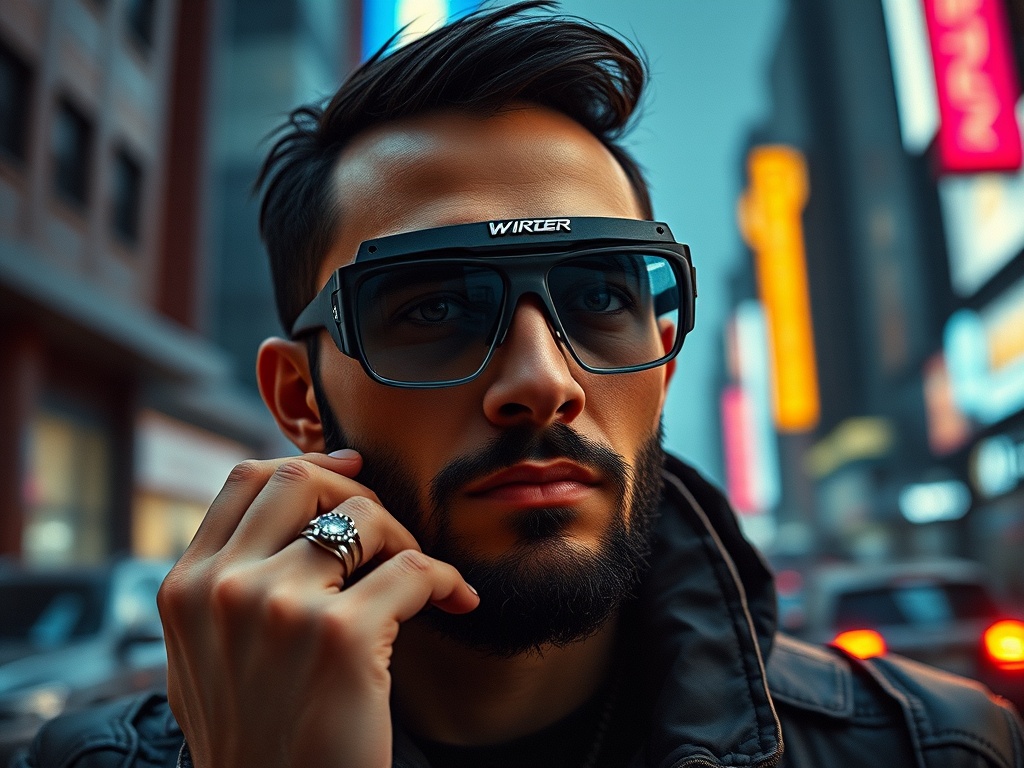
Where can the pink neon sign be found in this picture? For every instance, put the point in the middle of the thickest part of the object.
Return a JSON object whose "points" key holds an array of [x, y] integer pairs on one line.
{"points": [[976, 84], [738, 450]]}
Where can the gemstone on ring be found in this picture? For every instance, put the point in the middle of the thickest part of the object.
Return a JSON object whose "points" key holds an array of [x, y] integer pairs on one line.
{"points": [[338, 529], [337, 533]]}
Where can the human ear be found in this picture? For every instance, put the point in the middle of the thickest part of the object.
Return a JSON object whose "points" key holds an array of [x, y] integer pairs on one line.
{"points": [[286, 386]]}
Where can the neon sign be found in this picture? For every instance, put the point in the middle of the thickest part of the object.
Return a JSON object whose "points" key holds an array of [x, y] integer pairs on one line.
{"points": [[770, 219], [976, 85], [383, 18], [985, 354]]}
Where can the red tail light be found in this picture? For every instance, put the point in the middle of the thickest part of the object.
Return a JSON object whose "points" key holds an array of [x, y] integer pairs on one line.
{"points": [[1004, 643], [862, 643]]}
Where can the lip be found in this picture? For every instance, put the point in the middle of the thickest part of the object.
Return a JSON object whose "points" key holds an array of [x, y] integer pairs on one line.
{"points": [[562, 478]]}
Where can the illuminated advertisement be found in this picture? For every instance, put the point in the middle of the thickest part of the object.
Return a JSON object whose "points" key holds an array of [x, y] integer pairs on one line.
{"points": [[770, 218], [913, 76], [976, 86], [948, 428], [383, 18], [985, 354], [751, 453], [736, 444], [983, 223], [997, 465]]}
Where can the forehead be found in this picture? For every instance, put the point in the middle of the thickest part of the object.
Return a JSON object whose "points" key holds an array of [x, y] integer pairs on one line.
{"points": [[452, 168]]}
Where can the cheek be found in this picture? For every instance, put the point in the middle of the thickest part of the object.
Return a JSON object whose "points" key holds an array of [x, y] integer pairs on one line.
{"points": [[627, 407], [419, 427]]}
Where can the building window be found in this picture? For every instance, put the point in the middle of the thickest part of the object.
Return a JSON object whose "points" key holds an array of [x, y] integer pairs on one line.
{"points": [[67, 490], [139, 15], [15, 81], [72, 138], [126, 197]]}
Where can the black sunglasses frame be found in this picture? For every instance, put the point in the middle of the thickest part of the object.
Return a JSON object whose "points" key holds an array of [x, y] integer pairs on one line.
{"points": [[510, 255]]}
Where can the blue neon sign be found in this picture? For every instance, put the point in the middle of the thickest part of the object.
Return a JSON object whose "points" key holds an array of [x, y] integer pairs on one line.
{"points": [[383, 18]]}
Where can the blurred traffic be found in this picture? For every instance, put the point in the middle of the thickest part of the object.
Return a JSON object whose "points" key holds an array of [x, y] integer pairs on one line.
{"points": [[71, 637], [860, 320], [942, 612]]}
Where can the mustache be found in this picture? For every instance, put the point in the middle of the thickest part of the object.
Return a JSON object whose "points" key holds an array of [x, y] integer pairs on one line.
{"points": [[526, 443]]}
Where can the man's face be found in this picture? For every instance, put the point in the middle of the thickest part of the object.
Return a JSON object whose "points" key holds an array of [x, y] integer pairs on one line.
{"points": [[577, 442]]}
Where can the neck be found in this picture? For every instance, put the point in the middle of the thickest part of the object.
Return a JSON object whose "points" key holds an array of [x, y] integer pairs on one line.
{"points": [[448, 693]]}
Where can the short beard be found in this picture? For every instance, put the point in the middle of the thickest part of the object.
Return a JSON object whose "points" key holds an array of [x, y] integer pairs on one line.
{"points": [[547, 590]]}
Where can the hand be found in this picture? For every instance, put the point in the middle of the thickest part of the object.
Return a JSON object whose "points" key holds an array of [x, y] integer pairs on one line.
{"points": [[271, 661]]}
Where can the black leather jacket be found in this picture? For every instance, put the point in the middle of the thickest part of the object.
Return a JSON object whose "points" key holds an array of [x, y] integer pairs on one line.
{"points": [[706, 625]]}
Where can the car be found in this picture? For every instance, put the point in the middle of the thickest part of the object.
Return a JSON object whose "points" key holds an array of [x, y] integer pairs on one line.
{"points": [[71, 637], [941, 612]]}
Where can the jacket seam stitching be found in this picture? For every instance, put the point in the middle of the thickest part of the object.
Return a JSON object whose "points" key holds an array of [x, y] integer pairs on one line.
{"points": [[710, 540], [843, 697], [942, 738], [931, 737], [727, 589]]}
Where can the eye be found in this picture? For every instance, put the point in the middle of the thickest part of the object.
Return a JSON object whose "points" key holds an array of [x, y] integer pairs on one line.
{"points": [[433, 311], [439, 309], [601, 298], [597, 300]]}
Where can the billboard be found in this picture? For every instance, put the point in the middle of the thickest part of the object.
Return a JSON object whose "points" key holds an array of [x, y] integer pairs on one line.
{"points": [[751, 454], [770, 214], [983, 223], [984, 350], [976, 85]]}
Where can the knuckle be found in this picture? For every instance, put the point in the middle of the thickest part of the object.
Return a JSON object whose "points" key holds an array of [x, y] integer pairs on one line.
{"points": [[172, 597], [294, 471], [246, 472], [231, 593], [412, 562], [282, 609], [339, 628], [368, 510]]}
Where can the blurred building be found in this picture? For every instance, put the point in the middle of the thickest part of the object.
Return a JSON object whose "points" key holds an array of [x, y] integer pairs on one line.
{"points": [[886, 191], [134, 290], [275, 55], [119, 418]]}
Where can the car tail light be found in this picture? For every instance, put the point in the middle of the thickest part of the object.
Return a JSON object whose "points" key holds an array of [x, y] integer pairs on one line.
{"points": [[862, 643], [1004, 643]]}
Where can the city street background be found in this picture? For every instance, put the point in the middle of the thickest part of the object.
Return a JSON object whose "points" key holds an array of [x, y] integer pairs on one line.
{"points": [[847, 174]]}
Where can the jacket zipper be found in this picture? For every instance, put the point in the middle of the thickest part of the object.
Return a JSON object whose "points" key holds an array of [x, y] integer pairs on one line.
{"points": [[695, 761]]}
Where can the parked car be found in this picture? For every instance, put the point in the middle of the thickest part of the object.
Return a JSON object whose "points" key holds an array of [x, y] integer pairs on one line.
{"points": [[73, 637], [940, 612]]}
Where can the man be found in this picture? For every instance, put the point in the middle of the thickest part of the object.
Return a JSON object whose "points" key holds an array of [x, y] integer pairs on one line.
{"points": [[482, 557]]}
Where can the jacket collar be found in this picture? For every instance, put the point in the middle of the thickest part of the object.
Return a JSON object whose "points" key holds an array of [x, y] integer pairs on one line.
{"points": [[707, 617]]}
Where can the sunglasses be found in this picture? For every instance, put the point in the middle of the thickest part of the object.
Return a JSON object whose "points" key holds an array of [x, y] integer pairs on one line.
{"points": [[428, 308]]}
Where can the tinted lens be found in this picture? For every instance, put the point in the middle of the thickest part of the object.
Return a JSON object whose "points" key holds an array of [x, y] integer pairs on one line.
{"points": [[428, 323], [615, 308]]}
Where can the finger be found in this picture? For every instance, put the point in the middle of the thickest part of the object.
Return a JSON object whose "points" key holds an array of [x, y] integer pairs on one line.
{"points": [[297, 492], [400, 588], [380, 537], [243, 485]]}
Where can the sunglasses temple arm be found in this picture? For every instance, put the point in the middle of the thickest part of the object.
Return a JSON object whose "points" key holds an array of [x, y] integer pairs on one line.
{"points": [[321, 312]]}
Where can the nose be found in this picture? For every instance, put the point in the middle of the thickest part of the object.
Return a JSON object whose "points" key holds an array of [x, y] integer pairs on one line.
{"points": [[531, 375]]}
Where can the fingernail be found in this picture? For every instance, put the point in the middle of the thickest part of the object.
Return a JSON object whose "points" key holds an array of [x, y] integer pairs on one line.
{"points": [[344, 453], [472, 589]]}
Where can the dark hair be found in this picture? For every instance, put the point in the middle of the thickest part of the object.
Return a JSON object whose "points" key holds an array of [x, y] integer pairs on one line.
{"points": [[480, 63]]}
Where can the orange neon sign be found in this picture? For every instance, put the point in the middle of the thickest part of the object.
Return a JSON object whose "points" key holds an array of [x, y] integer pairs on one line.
{"points": [[770, 218]]}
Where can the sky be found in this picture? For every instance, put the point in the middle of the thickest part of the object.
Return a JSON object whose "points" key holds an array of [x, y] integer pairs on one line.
{"points": [[709, 87]]}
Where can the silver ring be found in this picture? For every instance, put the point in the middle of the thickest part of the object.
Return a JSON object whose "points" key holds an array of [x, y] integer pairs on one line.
{"points": [[337, 533]]}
